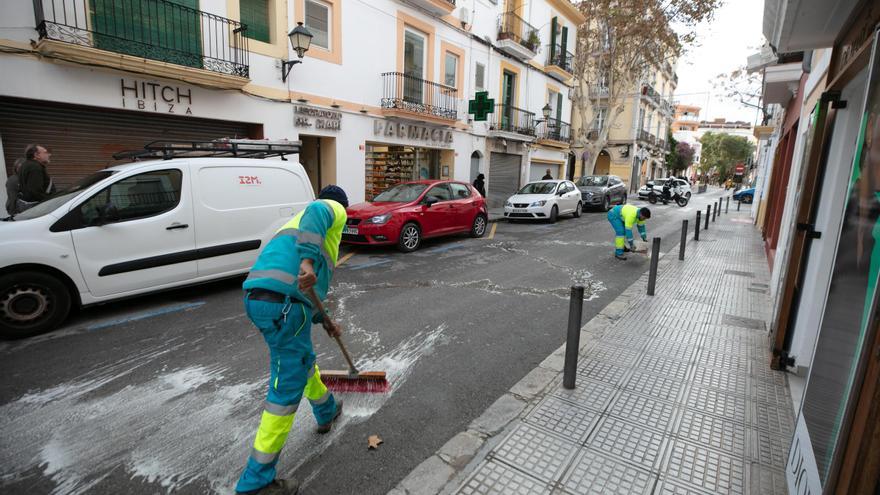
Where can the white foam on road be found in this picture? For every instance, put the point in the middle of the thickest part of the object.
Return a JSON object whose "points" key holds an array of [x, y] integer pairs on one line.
{"points": [[179, 427]]}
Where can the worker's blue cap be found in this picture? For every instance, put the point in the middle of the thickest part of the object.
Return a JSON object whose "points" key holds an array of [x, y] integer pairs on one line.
{"points": [[335, 193]]}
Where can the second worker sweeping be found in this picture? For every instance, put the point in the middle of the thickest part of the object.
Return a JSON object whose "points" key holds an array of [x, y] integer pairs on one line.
{"points": [[622, 219]]}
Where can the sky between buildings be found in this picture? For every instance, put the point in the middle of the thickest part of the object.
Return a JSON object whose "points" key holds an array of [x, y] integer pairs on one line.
{"points": [[722, 46]]}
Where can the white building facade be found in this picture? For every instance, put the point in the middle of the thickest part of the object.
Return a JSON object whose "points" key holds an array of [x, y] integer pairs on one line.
{"points": [[380, 97]]}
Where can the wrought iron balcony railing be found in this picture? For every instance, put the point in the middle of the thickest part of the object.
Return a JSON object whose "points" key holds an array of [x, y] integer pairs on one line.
{"points": [[511, 119], [514, 27], [416, 95], [644, 136], [560, 58], [153, 29], [555, 130], [597, 91]]}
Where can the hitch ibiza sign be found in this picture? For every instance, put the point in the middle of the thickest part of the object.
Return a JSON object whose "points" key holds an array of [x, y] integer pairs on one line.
{"points": [[156, 97]]}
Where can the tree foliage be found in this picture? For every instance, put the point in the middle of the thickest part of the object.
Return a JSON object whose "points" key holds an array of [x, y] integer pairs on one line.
{"points": [[679, 155], [721, 153], [621, 44], [744, 88]]}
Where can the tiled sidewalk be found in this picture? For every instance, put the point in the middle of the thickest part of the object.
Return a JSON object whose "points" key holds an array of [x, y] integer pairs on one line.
{"points": [[674, 394]]}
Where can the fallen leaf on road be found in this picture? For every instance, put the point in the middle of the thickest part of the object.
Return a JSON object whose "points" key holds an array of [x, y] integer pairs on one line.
{"points": [[374, 441]]}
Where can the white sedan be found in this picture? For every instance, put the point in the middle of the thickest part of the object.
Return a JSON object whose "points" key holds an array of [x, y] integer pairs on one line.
{"points": [[544, 200]]}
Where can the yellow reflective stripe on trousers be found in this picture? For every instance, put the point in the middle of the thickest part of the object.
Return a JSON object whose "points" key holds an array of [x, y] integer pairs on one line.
{"points": [[315, 389], [272, 433], [619, 242]]}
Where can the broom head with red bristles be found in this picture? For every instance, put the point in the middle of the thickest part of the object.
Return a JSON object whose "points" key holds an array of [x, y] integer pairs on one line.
{"points": [[345, 381]]}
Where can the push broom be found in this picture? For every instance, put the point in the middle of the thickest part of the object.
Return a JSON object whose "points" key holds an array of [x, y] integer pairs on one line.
{"points": [[351, 380]]}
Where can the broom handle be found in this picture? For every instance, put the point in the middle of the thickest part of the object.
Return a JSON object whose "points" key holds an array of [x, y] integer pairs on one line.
{"points": [[325, 316]]}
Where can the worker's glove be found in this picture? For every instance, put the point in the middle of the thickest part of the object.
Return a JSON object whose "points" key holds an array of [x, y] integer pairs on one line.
{"points": [[333, 329]]}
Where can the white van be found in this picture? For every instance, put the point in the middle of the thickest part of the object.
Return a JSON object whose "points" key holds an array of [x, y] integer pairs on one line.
{"points": [[138, 228]]}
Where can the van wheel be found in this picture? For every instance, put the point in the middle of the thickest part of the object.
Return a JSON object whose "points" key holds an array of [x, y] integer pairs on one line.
{"points": [[31, 303], [478, 228], [410, 238]]}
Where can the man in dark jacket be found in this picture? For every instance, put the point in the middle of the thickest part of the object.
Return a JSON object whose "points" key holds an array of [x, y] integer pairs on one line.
{"points": [[480, 184], [34, 180], [547, 176], [12, 188]]}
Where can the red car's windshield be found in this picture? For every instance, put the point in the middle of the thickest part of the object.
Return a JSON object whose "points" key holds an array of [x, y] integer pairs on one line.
{"points": [[402, 193]]}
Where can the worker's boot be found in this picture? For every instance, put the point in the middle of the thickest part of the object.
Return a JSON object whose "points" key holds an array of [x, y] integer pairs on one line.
{"points": [[620, 257], [277, 487], [325, 428]]}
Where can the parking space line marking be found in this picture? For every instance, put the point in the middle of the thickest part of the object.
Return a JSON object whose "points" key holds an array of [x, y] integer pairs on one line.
{"points": [[492, 234], [368, 265], [142, 316], [344, 259]]}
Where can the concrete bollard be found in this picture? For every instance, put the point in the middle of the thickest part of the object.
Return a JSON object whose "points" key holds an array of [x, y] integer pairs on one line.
{"points": [[573, 339], [708, 214], [684, 239], [655, 259], [697, 226]]}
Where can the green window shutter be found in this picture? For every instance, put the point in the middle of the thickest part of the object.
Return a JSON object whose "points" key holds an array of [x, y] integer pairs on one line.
{"points": [[157, 31], [554, 27], [255, 14], [564, 43], [558, 107]]}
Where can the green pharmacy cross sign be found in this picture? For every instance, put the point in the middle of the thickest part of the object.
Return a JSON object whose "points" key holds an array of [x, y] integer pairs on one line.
{"points": [[481, 105]]}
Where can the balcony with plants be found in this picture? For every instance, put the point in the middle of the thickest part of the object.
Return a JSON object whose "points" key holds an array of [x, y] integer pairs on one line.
{"points": [[158, 37], [516, 37], [560, 62]]}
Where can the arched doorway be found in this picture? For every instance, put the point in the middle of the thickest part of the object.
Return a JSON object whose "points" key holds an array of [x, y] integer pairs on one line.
{"points": [[476, 159], [603, 164]]}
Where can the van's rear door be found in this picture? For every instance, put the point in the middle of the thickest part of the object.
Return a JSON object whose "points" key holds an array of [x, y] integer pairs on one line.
{"points": [[239, 204]]}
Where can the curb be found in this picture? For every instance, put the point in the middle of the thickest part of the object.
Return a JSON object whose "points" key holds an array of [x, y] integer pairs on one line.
{"points": [[448, 467]]}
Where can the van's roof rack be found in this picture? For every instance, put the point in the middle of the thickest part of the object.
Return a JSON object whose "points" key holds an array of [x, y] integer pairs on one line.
{"points": [[241, 148]]}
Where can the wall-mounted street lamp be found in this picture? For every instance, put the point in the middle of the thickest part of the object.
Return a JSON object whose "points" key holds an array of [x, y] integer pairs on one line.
{"points": [[546, 113], [300, 40]]}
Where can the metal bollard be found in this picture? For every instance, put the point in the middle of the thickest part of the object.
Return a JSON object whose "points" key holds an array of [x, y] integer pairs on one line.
{"points": [[727, 206], [708, 214], [684, 239], [738, 204], [714, 211], [572, 341], [655, 258], [697, 229]]}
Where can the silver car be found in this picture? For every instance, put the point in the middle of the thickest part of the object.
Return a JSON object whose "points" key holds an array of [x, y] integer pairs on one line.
{"points": [[601, 191]]}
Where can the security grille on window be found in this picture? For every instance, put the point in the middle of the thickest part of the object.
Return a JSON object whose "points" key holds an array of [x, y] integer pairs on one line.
{"points": [[255, 14], [480, 77], [318, 21]]}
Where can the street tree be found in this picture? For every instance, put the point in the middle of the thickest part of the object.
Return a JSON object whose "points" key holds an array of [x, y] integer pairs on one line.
{"points": [[683, 157], [743, 87], [621, 43], [722, 152]]}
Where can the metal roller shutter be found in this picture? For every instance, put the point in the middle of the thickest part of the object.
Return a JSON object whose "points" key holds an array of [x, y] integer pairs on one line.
{"points": [[83, 139], [537, 170], [503, 180]]}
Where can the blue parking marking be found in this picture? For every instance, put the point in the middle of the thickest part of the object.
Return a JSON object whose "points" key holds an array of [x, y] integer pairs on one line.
{"points": [[148, 314], [444, 248], [368, 264]]}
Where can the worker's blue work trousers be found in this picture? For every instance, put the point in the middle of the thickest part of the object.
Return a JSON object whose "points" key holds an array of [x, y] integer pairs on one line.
{"points": [[619, 232], [286, 327]]}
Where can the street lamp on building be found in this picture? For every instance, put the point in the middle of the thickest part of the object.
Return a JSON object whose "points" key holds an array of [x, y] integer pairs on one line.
{"points": [[300, 40]]}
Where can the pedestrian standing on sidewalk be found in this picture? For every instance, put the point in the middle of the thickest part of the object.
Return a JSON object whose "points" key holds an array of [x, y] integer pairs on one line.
{"points": [[13, 189], [622, 219], [480, 184], [34, 180], [301, 257], [547, 175]]}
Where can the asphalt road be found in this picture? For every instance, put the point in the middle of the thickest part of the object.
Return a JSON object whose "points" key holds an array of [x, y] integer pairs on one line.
{"points": [[163, 393]]}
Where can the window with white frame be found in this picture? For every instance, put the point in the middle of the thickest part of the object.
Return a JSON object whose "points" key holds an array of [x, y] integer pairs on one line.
{"points": [[450, 69], [480, 77], [317, 20]]}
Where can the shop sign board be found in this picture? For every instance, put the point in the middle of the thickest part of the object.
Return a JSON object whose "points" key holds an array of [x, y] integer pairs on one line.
{"points": [[152, 96], [800, 471], [317, 118], [413, 132]]}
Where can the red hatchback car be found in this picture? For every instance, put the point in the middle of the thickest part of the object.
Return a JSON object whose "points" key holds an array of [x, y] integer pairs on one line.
{"points": [[411, 211]]}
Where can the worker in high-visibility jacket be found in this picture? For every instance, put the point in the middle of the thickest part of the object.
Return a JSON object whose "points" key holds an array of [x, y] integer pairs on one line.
{"points": [[622, 219], [302, 255]]}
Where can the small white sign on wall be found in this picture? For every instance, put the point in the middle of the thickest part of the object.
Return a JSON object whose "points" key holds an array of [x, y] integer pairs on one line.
{"points": [[801, 473]]}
